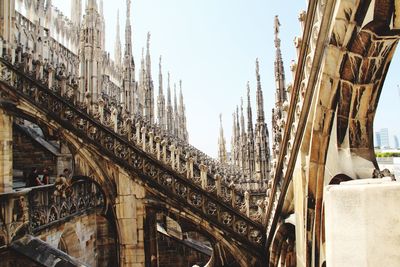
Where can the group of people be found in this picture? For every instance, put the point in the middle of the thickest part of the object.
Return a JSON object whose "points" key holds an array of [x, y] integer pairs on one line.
{"points": [[35, 178]]}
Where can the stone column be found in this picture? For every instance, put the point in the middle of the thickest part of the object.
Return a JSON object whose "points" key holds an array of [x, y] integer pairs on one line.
{"points": [[130, 212], [6, 151]]}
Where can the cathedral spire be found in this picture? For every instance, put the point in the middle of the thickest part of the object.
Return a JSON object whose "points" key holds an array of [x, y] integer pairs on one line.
{"points": [[175, 99], [242, 118], [176, 114], [221, 143], [90, 66], [180, 94], [183, 134], [243, 139], [237, 123], [148, 60], [76, 12], [280, 95], [233, 140], [170, 126], [249, 113], [259, 96], [91, 4], [160, 100], [250, 136], [148, 86], [261, 145], [117, 48], [128, 34], [160, 87], [130, 96]]}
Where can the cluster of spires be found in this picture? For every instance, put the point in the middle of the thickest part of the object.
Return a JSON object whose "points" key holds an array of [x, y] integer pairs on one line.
{"points": [[250, 150], [135, 97], [249, 143]]}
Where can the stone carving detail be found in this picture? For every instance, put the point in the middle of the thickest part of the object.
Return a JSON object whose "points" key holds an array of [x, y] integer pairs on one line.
{"points": [[47, 207], [30, 210], [384, 173]]}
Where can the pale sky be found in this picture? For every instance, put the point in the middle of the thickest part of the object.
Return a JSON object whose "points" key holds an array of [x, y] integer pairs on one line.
{"points": [[212, 46]]}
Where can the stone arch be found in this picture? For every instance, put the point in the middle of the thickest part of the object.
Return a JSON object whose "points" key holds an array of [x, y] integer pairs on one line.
{"points": [[283, 248], [183, 245], [220, 242]]}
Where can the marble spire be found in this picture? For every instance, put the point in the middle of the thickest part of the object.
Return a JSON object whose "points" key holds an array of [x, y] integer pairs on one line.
{"points": [[170, 125], [221, 143], [148, 86], [161, 119], [129, 85], [117, 46]]}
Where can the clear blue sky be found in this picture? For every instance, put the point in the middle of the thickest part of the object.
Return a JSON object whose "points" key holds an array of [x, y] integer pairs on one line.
{"points": [[212, 45]]}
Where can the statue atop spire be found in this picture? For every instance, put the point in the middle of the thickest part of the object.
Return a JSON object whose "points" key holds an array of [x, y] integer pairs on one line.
{"points": [[128, 9], [277, 24]]}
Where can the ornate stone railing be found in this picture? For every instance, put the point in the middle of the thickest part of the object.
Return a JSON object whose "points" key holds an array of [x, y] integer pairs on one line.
{"points": [[35, 208], [47, 205], [159, 162]]}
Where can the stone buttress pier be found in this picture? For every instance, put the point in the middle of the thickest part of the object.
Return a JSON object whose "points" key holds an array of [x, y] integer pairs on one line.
{"points": [[6, 155], [130, 212]]}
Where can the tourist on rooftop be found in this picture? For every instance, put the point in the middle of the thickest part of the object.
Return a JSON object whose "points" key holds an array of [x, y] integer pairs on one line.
{"points": [[46, 177], [33, 178]]}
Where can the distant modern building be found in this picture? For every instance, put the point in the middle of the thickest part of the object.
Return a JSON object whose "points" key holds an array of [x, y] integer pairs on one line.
{"points": [[384, 136], [377, 139], [396, 142]]}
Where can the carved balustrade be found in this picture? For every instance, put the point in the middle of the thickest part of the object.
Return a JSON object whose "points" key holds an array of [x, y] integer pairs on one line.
{"points": [[47, 205], [35, 208], [170, 168]]}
